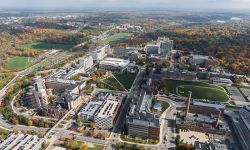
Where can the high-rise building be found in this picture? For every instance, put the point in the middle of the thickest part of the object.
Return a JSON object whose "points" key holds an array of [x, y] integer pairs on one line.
{"points": [[37, 96], [86, 62], [101, 52], [165, 45]]}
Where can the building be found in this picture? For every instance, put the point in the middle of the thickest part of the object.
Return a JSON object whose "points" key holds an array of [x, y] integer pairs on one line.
{"points": [[141, 122], [202, 116], [152, 49], [165, 45], [203, 146], [18, 141], [86, 62], [106, 116], [199, 59], [221, 81], [101, 52], [241, 127], [89, 110], [103, 109], [72, 96], [37, 96], [113, 64]]}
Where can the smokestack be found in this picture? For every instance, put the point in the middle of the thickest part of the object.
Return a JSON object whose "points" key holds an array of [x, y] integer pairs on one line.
{"points": [[218, 118], [188, 104]]}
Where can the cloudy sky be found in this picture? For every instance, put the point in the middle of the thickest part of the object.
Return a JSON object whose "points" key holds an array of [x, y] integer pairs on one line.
{"points": [[214, 4]]}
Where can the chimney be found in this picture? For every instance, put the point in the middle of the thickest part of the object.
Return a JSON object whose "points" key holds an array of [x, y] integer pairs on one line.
{"points": [[217, 119], [188, 104]]}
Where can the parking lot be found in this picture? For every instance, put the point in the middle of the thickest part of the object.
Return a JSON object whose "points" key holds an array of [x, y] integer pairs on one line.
{"points": [[235, 94]]}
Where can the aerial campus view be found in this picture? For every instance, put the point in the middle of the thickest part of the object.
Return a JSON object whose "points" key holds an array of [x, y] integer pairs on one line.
{"points": [[124, 75]]}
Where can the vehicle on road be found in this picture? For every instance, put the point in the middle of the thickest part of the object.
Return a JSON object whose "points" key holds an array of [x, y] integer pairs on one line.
{"points": [[166, 137]]}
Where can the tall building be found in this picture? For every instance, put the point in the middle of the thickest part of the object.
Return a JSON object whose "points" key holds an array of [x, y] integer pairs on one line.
{"points": [[37, 96], [165, 45], [86, 62], [101, 52]]}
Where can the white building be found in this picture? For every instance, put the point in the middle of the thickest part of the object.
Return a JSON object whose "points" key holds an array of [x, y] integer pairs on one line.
{"points": [[16, 141], [101, 52], [165, 45], [86, 62], [89, 110], [114, 64], [106, 116], [222, 81], [103, 110]]}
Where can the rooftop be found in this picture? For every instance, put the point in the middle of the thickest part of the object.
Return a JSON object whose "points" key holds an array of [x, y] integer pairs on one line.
{"points": [[115, 62]]}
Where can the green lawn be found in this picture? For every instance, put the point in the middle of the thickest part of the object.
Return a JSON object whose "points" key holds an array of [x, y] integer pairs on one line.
{"points": [[47, 46], [112, 81], [118, 37], [126, 79], [19, 62], [200, 90]]}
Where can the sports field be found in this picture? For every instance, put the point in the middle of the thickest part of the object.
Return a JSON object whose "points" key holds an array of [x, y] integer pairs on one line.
{"points": [[19, 62], [47, 46], [200, 90], [118, 37]]}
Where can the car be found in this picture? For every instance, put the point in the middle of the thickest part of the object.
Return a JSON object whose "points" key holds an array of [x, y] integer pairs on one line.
{"points": [[166, 137]]}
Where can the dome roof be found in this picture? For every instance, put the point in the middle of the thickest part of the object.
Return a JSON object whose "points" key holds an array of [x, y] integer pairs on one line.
{"points": [[157, 106]]}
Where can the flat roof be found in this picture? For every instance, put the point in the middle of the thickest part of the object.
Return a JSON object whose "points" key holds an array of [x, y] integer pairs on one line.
{"points": [[21, 141], [91, 107], [115, 62]]}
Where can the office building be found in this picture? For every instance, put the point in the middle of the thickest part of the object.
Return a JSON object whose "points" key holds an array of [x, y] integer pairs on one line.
{"points": [[221, 81], [103, 109], [113, 64], [37, 96], [101, 52], [86, 62], [18, 141], [141, 121], [71, 97], [165, 45]]}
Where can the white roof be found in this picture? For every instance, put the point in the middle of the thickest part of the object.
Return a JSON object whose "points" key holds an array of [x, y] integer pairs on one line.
{"points": [[117, 62]]}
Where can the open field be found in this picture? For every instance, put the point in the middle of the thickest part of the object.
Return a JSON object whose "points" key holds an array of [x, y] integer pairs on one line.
{"points": [[200, 90], [19, 62], [126, 79], [47, 46], [112, 82], [118, 37]]}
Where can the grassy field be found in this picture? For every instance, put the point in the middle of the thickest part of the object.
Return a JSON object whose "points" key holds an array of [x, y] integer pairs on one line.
{"points": [[19, 62], [126, 79], [5, 78], [47, 46], [200, 90], [112, 81], [118, 37]]}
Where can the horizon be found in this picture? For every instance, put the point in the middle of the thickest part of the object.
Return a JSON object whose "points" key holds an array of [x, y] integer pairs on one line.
{"points": [[120, 4]]}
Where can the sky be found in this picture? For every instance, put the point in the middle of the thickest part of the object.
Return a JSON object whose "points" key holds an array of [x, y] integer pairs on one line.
{"points": [[178, 4]]}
